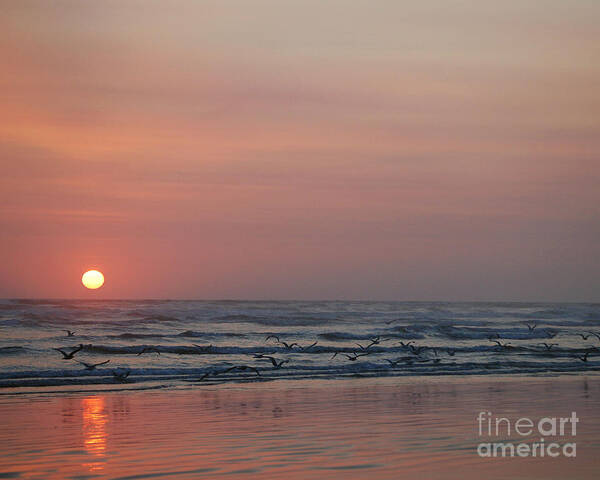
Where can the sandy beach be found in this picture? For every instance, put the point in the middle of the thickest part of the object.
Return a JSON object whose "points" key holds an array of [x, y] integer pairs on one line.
{"points": [[359, 428]]}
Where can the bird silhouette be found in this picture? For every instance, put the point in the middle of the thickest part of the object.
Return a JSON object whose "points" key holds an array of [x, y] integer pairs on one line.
{"points": [[92, 366], [355, 356], [394, 363], [121, 376], [584, 358], [262, 355], [69, 333], [69, 356], [149, 350], [276, 363], [304, 349], [416, 350], [206, 375], [242, 368]]}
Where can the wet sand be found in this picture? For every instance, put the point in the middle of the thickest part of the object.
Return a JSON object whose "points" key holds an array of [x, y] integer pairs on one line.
{"points": [[352, 429]]}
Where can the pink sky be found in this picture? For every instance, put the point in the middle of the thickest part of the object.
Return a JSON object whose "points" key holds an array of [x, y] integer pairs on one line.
{"points": [[266, 149]]}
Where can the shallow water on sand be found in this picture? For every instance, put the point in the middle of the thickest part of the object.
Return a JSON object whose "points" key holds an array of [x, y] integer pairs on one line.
{"points": [[384, 428]]}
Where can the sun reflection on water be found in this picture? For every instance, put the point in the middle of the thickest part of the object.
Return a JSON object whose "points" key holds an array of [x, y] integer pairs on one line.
{"points": [[95, 420]]}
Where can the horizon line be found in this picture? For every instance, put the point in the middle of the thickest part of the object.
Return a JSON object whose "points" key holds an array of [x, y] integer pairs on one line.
{"points": [[140, 299]]}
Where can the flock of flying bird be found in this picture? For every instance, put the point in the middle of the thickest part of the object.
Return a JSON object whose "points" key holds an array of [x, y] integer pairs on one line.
{"points": [[363, 350]]}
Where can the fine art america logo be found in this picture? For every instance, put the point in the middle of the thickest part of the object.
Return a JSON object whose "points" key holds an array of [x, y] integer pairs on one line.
{"points": [[531, 436]]}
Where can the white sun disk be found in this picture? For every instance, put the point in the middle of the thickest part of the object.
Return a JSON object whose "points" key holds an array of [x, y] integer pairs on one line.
{"points": [[92, 279]]}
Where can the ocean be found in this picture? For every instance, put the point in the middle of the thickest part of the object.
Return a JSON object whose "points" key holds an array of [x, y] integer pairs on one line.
{"points": [[152, 344]]}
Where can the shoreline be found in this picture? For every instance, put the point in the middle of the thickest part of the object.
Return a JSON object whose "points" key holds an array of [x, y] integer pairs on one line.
{"points": [[283, 382]]}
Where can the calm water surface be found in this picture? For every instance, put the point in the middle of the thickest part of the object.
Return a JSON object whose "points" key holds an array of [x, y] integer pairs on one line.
{"points": [[384, 428]]}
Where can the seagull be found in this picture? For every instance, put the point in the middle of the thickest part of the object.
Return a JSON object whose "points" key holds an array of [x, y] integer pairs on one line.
{"points": [[502, 345], [149, 349], [289, 346], [355, 356], [551, 334], [548, 345], [69, 356], [262, 355], [585, 337], [584, 358], [211, 372], [531, 327], [274, 361], [121, 376], [92, 366], [374, 341], [203, 348], [334, 355], [434, 360], [407, 344], [450, 352], [272, 336], [69, 333], [394, 363], [416, 350], [242, 368], [304, 349]]}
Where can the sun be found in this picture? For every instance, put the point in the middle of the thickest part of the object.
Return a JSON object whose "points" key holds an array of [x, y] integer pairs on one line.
{"points": [[92, 279]]}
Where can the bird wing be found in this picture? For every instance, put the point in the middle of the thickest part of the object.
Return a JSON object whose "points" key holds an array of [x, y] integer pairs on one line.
{"points": [[74, 351], [310, 346]]}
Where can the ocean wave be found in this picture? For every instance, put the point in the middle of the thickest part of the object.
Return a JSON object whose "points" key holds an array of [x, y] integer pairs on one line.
{"points": [[11, 349], [218, 373], [276, 320], [391, 349], [132, 336]]}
